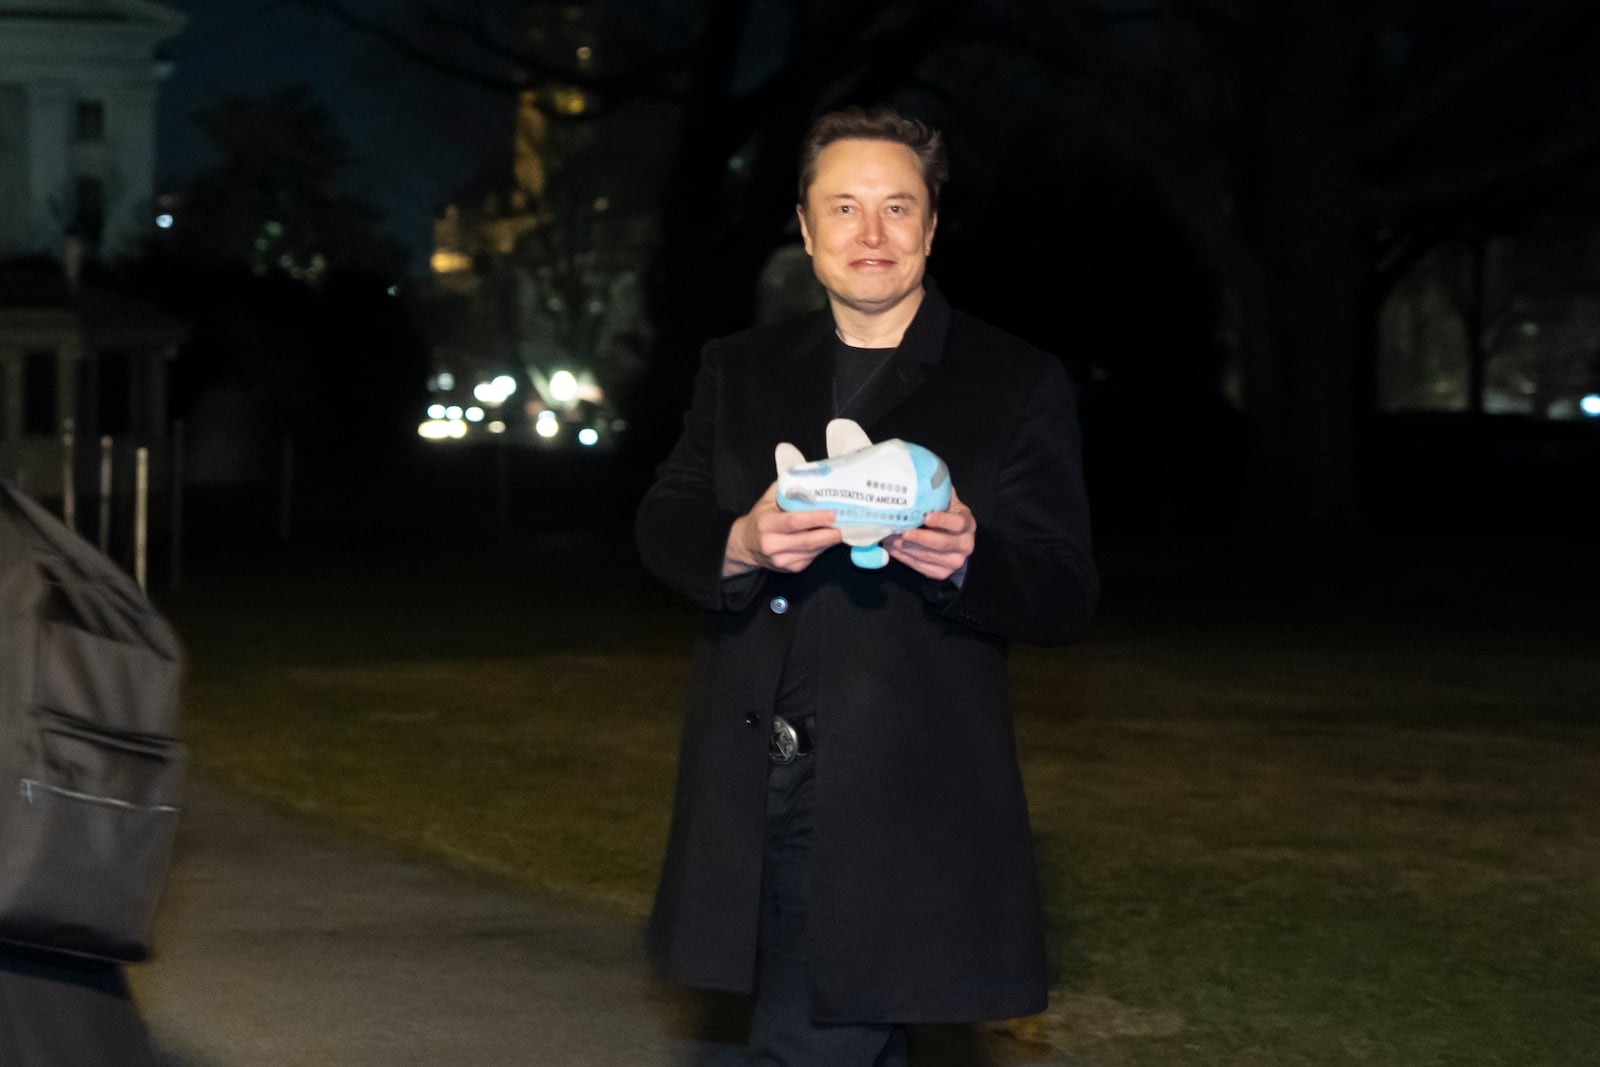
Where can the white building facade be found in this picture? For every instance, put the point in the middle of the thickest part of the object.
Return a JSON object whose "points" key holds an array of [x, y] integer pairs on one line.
{"points": [[78, 87]]}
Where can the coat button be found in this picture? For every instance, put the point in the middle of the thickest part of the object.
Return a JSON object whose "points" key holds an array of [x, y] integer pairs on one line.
{"points": [[779, 604], [751, 719]]}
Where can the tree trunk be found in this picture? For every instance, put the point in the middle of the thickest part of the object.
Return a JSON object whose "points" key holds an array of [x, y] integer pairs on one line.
{"points": [[1308, 333]]}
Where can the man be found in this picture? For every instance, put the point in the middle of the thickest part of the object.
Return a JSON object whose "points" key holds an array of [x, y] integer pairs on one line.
{"points": [[884, 875]]}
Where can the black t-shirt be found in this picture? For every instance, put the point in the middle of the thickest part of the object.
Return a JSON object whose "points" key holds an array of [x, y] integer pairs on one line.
{"points": [[855, 372]]}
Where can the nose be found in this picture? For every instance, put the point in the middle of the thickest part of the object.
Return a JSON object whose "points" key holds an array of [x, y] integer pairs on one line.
{"points": [[872, 231]]}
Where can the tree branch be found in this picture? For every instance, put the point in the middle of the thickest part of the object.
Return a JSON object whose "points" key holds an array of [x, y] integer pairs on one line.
{"points": [[648, 77], [407, 47], [1487, 176], [1182, 163], [1389, 129]]}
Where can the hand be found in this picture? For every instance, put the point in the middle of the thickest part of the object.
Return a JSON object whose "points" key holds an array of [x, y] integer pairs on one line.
{"points": [[767, 536], [940, 546]]}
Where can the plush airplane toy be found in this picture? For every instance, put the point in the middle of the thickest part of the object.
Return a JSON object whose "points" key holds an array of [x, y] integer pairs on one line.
{"points": [[873, 490]]}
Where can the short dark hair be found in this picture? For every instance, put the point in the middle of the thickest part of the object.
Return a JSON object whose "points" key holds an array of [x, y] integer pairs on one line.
{"points": [[877, 124]]}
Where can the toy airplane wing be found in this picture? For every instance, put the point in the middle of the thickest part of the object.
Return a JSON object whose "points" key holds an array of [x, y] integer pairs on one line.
{"points": [[845, 436], [787, 457]]}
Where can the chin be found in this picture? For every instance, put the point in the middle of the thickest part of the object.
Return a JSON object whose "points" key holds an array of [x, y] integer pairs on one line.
{"points": [[861, 298]]}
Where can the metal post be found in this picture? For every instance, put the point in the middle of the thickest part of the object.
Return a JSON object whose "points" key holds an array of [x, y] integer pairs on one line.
{"points": [[105, 494], [175, 499], [286, 489], [1477, 351], [503, 492], [69, 485], [141, 514]]}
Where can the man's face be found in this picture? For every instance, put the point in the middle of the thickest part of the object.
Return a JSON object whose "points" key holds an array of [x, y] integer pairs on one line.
{"points": [[867, 223]]}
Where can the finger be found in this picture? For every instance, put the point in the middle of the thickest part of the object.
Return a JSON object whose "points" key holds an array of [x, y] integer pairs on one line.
{"points": [[795, 521], [929, 557], [958, 517], [934, 569], [938, 540], [812, 541]]}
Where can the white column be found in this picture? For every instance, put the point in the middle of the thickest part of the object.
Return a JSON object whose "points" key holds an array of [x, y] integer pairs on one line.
{"points": [[130, 178], [50, 113], [69, 367]]}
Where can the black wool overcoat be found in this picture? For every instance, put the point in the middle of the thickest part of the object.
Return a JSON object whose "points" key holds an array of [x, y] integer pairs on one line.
{"points": [[924, 903]]}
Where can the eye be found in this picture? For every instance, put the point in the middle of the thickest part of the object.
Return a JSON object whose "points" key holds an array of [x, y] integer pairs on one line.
{"points": [[844, 209]]}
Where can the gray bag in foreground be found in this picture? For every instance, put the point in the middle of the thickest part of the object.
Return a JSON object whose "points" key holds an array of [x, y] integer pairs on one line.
{"points": [[90, 774]]}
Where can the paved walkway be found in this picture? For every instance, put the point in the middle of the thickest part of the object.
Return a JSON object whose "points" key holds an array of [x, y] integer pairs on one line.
{"points": [[282, 944]]}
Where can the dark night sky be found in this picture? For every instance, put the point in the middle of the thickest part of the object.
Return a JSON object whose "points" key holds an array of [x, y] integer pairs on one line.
{"points": [[415, 138]]}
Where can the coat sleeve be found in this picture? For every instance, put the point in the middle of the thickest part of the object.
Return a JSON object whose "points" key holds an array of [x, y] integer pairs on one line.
{"points": [[680, 527], [1031, 576]]}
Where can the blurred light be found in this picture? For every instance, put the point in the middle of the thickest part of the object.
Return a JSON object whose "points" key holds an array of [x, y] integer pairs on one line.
{"points": [[474, 414], [587, 436], [497, 427], [452, 412], [1591, 405], [446, 380], [164, 221], [1530, 329], [274, 228], [450, 262], [585, 53], [547, 427], [435, 411], [394, 290], [618, 425], [442, 429], [563, 387], [496, 391]]}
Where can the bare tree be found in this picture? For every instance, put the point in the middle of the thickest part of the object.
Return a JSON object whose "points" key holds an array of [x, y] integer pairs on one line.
{"points": [[1329, 143]]}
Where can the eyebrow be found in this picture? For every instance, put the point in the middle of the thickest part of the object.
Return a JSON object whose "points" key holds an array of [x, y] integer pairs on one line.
{"points": [[891, 196]]}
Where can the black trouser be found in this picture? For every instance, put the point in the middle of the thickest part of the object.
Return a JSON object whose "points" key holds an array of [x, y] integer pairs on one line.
{"points": [[782, 1033], [60, 1013]]}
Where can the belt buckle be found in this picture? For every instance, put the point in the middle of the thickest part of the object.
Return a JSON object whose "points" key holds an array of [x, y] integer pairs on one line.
{"points": [[784, 744]]}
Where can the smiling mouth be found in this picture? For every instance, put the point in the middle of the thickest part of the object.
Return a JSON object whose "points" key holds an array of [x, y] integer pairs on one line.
{"points": [[873, 263]]}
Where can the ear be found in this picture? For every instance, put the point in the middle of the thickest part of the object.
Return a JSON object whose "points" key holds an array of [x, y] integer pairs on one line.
{"points": [[805, 231], [927, 241]]}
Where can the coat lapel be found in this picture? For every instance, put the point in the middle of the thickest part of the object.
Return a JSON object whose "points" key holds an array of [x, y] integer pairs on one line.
{"points": [[804, 387], [908, 368]]}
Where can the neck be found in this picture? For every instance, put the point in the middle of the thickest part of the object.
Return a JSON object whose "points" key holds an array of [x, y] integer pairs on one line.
{"points": [[875, 328]]}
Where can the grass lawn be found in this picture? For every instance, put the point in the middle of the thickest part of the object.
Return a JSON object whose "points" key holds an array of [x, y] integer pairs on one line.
{"points": [[1357, 832]]}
